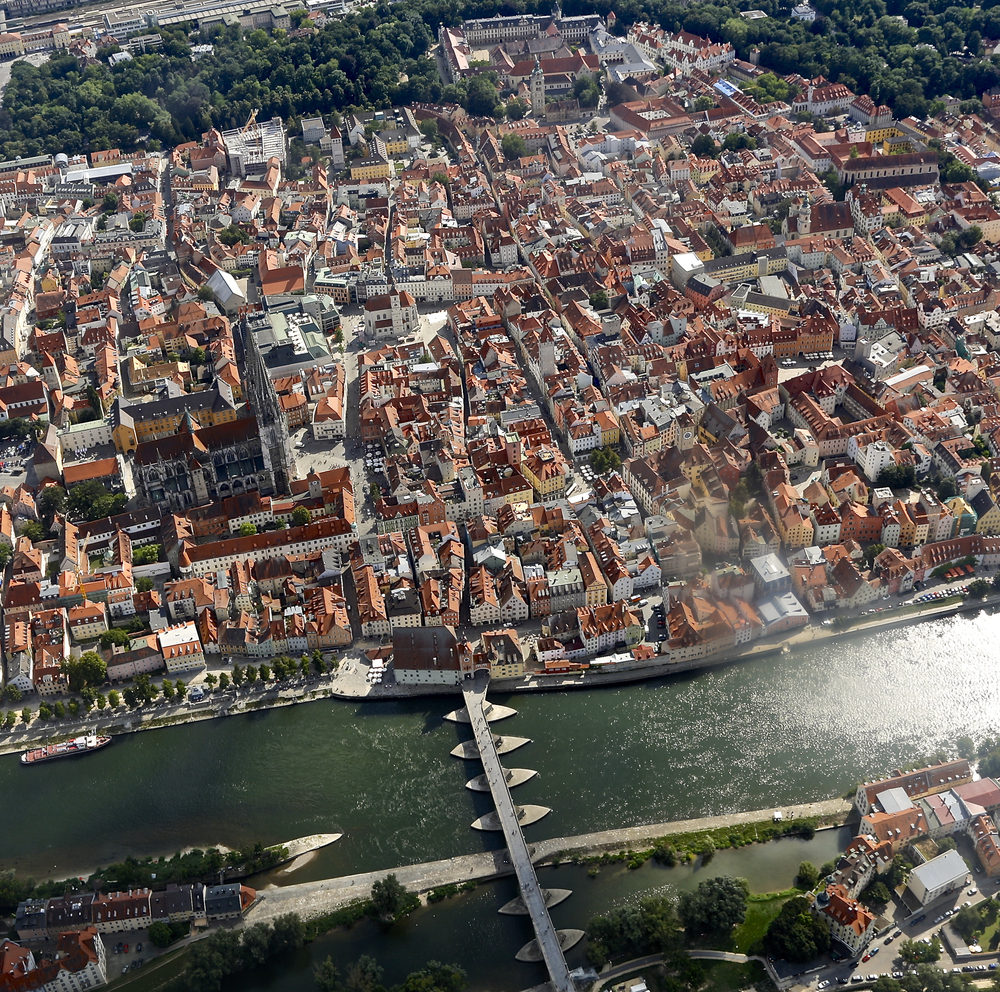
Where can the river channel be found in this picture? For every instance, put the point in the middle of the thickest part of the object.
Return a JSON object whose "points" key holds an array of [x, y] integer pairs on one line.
{"points": [[774, 731]]}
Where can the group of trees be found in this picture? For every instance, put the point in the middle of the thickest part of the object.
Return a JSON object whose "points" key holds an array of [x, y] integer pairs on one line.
{"points": [[367, 975], [716, 906], [605, 460], [897, 477], [85, 501], [587, 89], [229, 952], [651, 926], [376, 56], [907, 64]]}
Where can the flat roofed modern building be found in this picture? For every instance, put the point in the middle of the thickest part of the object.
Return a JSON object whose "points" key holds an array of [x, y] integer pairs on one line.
{"points": [[938, 877]]}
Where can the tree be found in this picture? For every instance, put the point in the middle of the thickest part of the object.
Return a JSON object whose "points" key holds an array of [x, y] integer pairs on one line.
{"points": [[251, 674], [481, 96], [9, 719], [326, 975], [265, 672], [11, 693], [114, 700], [59, 709], [26, 715], [115, 636], [210, 680], [513, 146], [238, 675], [807, 876], [704, 103], [429, 129], [51, 501], [168, 690], [978, 589], [33, 531], [599, 300], [160, 934], [605, 460], [181, 688], [434, 977], [947, 489], [248, 529], [223, 681], [516, 109], [968, 921], [796, 933], [143, 584], [365, 975], [915, 952], [876, 896], [89, 669], [300, 516], [872, 552], [716, 906], [704, 147], [391, 900]]}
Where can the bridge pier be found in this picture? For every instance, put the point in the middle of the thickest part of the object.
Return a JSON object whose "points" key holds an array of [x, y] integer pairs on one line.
{"points": [[526, 815], [552, 897], [513, 776], [531, 952]]}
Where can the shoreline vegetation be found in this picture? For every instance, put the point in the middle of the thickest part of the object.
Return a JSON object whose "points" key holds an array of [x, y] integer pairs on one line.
{"points": [[195, 865], [124, 721]]}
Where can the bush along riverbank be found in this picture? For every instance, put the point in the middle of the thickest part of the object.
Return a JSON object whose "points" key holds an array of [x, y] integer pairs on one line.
{"points": [[681, 848]]}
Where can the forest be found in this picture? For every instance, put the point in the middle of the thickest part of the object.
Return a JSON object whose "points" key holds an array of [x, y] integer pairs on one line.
{"points": [[907, 53]]}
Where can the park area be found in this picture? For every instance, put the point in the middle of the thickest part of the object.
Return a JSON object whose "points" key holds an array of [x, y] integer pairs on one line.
{"points": [[979, 925]]}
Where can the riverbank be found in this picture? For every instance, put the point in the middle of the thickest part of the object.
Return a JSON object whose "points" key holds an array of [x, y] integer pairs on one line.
{"points": [[349, 684], [316, 898]]}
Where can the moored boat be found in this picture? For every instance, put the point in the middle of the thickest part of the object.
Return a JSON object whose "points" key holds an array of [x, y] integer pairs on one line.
{"points": [[64, 749]]}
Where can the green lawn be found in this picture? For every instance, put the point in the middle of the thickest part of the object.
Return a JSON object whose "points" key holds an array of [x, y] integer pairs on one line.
{"points": [[990, 936], [761, 909], [724, 976]]}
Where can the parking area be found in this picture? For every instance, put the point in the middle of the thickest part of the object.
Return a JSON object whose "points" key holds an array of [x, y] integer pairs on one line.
{"points": [[128, 954], [15, 460]]}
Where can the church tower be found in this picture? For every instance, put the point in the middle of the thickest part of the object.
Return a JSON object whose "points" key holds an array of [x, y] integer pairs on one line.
{"points": [[537, 86]]}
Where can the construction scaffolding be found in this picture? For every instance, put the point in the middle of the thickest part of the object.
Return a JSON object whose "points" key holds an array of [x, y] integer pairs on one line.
{"points": [[252, 146]]}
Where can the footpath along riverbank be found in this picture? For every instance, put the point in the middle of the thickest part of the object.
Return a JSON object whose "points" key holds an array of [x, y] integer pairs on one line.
{"points": [[311, 899], [348, 683]]}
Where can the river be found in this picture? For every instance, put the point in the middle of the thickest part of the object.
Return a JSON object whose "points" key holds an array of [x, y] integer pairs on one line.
{"points": [[773, 731]]}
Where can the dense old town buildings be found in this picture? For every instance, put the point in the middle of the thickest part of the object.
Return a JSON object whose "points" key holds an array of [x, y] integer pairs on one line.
{"points": [[568, 398]]}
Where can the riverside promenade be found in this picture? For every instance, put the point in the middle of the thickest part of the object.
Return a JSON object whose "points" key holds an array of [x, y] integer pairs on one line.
{"points": [[310, 899]]}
